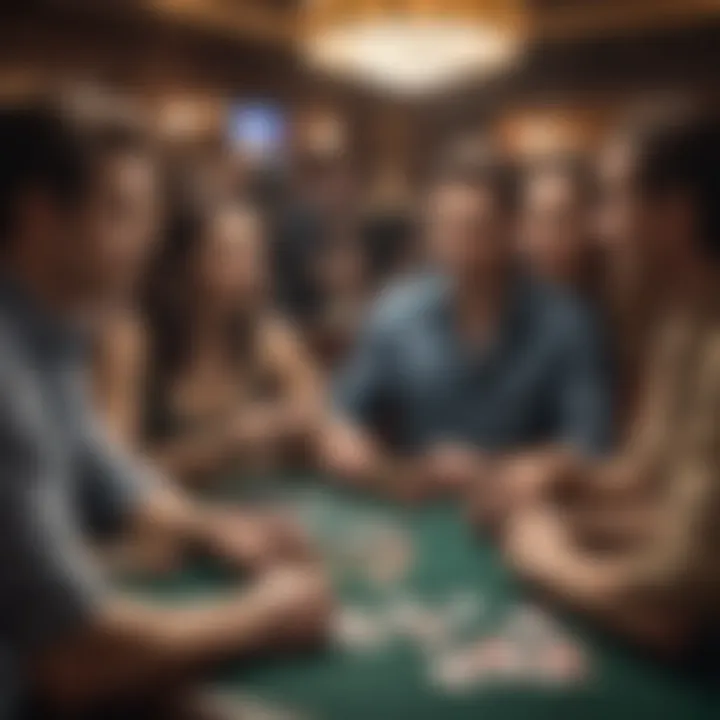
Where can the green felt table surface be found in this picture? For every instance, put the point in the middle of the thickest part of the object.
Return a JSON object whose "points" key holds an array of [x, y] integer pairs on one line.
{"points": [[393, 679]]}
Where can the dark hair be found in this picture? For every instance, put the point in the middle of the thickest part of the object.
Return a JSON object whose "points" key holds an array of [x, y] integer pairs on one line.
{"points": [[574, 168], [53, 148], [170, 295], [484, 170], [681, 154], [387, 242]]}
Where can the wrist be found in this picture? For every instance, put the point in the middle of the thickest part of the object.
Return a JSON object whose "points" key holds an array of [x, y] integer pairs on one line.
{"points": [[200, 529]]}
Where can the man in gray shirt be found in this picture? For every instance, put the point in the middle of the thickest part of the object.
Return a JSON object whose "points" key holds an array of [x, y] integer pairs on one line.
{"points": [[68, 185]]}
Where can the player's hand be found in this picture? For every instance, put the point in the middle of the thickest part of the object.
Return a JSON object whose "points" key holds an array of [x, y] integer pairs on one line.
{"points": [[348, 454], [536, 544], [289, 540], [535, 476], [453, 467], [257, 431], [406, 480], [486, 501], [294, 605], [143, 557], [253, 541]]}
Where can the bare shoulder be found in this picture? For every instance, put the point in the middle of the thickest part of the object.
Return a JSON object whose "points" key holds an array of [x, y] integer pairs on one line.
{"points": [[711, 359], [123, 340], [277, 335]]}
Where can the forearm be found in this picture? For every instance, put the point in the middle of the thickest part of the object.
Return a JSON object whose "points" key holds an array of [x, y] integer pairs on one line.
{"points": [[132, 645], [611, 593], [609, 524], [349, 453], [288, 429], [166, 523], [194, 456], [540, 547], [303, 418], [626, 478], [598, 587]]}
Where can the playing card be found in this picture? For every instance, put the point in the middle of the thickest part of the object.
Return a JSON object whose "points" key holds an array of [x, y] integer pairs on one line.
{"points": [[242, 707], [453, 671], [389, 557], [495, 659], [357, 629], [426, 626], [564, 663], [463, 611]]}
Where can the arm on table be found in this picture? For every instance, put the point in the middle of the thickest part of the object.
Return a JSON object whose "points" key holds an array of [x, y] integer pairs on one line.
{"points": [[124, 646], [255, 429], [299, 407], [197, 455], [352, 455], [349, 448], [580, 402], [156, 521], [608, 587], [631, 474], [81, 640]]}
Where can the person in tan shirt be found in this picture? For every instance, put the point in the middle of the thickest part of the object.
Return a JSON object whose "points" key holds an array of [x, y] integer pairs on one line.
{"points": [[634, 541]]}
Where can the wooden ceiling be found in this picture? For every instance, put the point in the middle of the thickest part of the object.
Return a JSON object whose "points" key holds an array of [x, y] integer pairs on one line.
{"points": [[579, 49], [275, 21], [574, 19]]}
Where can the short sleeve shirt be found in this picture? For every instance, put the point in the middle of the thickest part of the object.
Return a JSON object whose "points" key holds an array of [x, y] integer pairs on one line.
{"points": [[57, 479]]}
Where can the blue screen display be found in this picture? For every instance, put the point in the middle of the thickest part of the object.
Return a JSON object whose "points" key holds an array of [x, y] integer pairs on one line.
{"points": [[258, 128]]}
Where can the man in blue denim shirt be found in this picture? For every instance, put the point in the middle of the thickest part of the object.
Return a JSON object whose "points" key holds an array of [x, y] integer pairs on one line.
{"points": [[472, 360]]}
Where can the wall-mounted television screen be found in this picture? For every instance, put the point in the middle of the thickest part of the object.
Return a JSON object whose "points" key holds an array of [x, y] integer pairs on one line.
{"points": [[258, 128]]}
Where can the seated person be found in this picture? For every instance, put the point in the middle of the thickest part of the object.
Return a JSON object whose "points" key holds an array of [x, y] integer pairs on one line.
{"points": [[343, 277], [638, 546], [221, 378], [470, 362], [68, 637], [556, 238]]}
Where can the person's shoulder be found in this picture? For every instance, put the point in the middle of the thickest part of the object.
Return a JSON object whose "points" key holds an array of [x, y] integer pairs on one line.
{"points": [[20, 387], [12, 356], [408, 298]]}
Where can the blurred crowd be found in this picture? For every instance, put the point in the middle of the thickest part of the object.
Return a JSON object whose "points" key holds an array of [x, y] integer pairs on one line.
{"points": [[540, 341]]}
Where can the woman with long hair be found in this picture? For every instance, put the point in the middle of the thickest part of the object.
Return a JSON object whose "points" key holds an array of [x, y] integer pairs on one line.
{"points": [[228, 380], [207, 377]]}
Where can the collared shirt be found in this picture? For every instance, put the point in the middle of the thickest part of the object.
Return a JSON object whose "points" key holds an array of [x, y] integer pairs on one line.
{"points": [[542, 378], [57, 479]]}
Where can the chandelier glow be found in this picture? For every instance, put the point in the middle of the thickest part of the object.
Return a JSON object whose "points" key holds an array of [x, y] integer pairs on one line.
{"points": [[411, 53]]}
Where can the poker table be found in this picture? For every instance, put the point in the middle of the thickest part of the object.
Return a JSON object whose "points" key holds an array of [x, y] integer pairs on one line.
{"points": [[419, 588]]}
